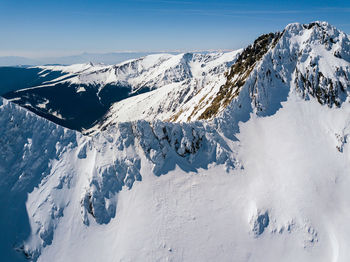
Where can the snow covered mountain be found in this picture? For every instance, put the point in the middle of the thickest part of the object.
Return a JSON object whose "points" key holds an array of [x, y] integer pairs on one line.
{"points": [[313, 58], [176, 99], [81, 94], [262, 175], [59, 166], [189, 87]]}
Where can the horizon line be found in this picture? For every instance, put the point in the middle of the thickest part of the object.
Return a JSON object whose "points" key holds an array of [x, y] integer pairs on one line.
{"points": [[53, 54]]}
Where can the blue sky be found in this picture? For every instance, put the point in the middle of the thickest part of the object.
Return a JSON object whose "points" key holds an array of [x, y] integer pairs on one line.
{"points": [[44, 28]]}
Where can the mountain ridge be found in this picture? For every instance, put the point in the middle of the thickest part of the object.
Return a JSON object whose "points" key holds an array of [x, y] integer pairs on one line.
{"points": [[103, 85], [320, 84], [189, 87], [265, 177]]}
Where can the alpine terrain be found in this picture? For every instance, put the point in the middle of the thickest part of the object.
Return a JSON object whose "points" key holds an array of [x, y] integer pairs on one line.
{"points": [[78, 96], [238, 156]]}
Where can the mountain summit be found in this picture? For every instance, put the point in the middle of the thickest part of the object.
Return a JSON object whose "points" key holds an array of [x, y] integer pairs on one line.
{"points": [[311, 59]]}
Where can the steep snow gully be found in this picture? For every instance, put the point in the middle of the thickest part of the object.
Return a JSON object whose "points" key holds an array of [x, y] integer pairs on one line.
{"points": [[263, 176]]}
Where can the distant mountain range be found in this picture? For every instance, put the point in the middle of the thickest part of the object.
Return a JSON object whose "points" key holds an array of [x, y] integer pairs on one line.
{"points": [[105, 58]]}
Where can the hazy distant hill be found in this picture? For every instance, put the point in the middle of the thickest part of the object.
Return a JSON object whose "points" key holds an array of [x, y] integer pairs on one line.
{"points": [[105, 58]]}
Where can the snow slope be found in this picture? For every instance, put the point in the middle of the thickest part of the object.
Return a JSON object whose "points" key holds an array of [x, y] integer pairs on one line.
{"points": [[67, 167], [288, 198], [314, 58], [152, 71], [81, 94], [179, 100], [290, 202], [266, 180], [29, 146]]}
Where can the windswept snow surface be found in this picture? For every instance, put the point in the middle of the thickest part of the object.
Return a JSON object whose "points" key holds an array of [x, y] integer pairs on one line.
{"points": [[288, 199], [266, 180]]}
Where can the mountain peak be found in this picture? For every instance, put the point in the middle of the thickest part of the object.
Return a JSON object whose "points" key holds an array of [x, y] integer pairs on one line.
{"points": [[312, 59], [316, 32], [299, 26]]}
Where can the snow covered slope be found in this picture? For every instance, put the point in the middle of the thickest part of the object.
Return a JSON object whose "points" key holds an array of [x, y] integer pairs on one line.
{"points": [[59, 166], [29, 146], [287, 198], [81, 94], [290, 202], [178, 82], [314, 58], [182, 96], [266, 180], [152, 71]]}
